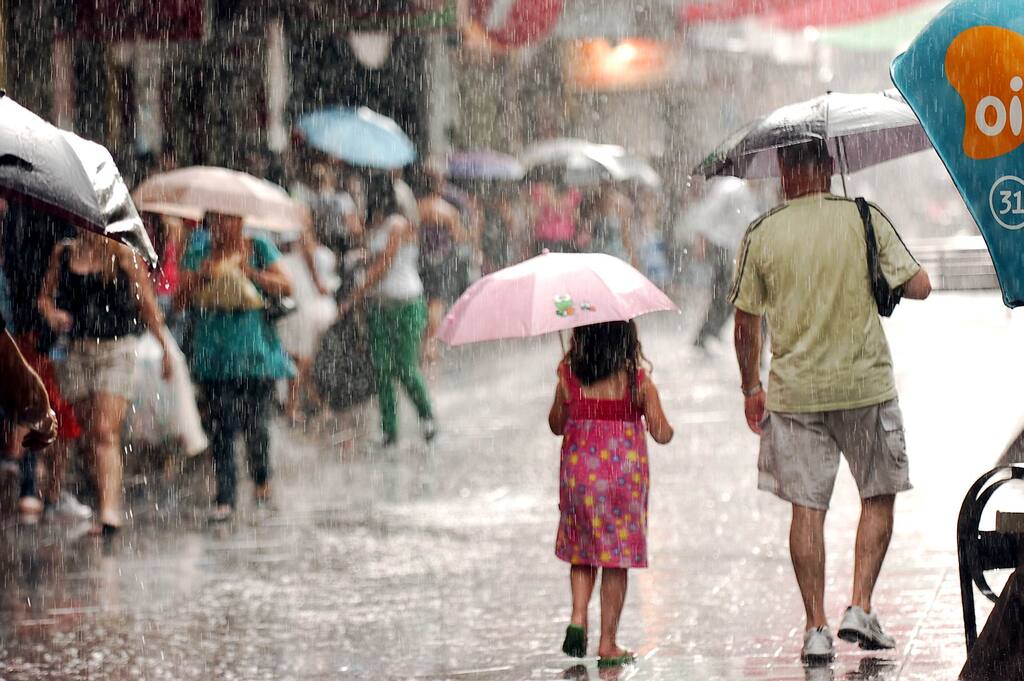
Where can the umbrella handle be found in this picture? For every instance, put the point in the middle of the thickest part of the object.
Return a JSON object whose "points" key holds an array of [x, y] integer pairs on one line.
{"points": [[844, 167]]}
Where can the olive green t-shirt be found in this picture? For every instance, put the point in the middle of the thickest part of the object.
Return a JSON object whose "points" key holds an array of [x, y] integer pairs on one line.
{"points": [[804, 267]]}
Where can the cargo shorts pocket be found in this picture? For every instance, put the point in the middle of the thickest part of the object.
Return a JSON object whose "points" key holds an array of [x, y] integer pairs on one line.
{"points": [[891, 431]]}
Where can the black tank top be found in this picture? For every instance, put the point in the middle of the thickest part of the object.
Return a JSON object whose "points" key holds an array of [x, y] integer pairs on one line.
{"points": [[99, 307]]}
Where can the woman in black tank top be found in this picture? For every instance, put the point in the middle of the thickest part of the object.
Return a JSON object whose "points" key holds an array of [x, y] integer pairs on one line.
{"points": [[100, 295]]}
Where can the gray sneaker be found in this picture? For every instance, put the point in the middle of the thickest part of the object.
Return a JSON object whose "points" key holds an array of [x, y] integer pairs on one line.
{"points": [[863, 628], [817, 646]]}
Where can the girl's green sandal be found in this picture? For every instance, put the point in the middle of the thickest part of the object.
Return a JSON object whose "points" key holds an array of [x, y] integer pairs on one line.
{"points": [[605, 662], [575, 644]]}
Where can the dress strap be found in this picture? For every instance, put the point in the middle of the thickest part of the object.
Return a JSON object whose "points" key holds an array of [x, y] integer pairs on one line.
{"points": [[640, 376]]}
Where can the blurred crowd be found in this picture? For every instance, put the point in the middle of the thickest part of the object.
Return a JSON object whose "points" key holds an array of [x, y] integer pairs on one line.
{"points": [[185, 359]]}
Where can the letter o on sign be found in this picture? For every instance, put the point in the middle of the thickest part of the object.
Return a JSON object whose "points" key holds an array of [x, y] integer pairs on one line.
{"points": [[513, 23], [980, 116]]}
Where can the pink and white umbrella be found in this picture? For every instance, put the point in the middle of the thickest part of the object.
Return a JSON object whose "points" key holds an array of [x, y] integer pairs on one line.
{"points": [[192, 192], [551, 292]]}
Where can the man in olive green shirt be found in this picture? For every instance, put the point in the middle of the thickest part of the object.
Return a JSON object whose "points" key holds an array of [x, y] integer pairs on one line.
{"points": [[803, 266]]}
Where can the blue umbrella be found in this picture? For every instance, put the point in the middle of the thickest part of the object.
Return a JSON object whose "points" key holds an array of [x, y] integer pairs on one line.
{"points": [[963, 78], [358, 136]]}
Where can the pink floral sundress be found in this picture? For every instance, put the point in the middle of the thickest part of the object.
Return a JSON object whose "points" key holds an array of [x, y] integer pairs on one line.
{"points": [[603, 481]]}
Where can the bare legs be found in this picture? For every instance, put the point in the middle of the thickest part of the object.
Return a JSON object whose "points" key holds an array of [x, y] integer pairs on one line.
{"points": [[582, 579], [873, 535], [301, 389], [581, 582], [613, 596], [436, 308], [807, 549], [103, 416]]}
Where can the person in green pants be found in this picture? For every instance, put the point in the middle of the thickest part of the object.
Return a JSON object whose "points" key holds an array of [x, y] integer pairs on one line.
{"points": [[396, 309]]}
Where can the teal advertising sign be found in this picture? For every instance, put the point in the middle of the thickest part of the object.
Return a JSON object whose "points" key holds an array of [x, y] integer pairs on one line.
{"points": [[964, 78]]}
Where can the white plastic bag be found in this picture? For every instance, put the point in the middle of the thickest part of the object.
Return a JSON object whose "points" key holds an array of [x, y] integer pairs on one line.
{"points": [[164, 411]]}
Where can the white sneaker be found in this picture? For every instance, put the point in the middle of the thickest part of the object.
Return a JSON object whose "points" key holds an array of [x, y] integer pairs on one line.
{"points": [[863, 628], [69, 507], [817, 646]]}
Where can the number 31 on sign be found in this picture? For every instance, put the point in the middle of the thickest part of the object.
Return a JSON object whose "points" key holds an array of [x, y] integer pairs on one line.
{"points": [[1006, 200]]}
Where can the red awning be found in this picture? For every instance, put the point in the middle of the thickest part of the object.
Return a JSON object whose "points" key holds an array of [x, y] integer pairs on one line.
{"points": [[795, 14]]}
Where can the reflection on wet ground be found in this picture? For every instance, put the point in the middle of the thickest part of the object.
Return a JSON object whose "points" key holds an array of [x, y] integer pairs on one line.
{"points": [[436, 563]]}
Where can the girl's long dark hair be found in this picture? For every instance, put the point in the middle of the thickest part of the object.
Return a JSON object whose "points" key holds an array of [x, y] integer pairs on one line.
{"points": [[599, 351]]}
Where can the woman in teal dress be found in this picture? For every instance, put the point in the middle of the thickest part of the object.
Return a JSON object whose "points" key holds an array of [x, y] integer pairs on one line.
{"points": [[235, 354]]}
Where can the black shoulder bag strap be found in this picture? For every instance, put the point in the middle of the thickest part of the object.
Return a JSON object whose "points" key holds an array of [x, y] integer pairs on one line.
{"points": [[886, 298]]}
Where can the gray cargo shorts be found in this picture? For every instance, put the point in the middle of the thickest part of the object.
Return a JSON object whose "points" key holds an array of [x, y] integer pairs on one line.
{"points": [[799, 455]]}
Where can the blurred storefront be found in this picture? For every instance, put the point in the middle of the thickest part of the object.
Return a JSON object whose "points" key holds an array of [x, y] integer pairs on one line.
{"points": [[217, 81]]}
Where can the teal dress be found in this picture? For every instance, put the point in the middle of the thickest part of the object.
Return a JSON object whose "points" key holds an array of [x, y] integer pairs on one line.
{"points": [[229, 345]]}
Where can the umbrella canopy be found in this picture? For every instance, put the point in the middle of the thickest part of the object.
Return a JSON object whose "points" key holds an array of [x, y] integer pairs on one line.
{"points": [[360, 136], [861, 130], [484, 165], [578, 162], [121, 217], [66, 176], [192, 192], [968, 61], [796, 14], [551, 292]]}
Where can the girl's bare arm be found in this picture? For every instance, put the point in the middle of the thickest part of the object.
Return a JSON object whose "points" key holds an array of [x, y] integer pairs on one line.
{"points": [[657, 423], [559, 414]]}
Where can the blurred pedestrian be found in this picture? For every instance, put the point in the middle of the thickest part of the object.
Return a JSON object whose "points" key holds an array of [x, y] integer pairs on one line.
{"points": [[831, 390], [504, 240], [396, 310], [554, 212], [333, 233], [168, 234], [720, 219], [28, 239], [228, 280], [608, 221], [96, 291], [602, 402], [648, 236], [441, 237], [315, 311], [337, 224], [471, 219]]}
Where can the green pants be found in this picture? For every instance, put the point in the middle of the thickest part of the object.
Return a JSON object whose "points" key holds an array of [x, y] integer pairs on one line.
{"points": [[396, 334]]}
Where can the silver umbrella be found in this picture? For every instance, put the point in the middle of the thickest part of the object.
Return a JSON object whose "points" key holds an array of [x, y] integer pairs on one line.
{"points": [[66, 176], [578, 162], [861, 130]]}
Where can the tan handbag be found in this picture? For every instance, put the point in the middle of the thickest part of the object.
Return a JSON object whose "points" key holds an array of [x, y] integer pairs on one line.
{"points": [[229, 289]]}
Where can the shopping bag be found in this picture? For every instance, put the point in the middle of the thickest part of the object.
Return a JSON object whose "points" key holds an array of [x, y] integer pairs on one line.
{"points": [[343, 368], [164, 411]]}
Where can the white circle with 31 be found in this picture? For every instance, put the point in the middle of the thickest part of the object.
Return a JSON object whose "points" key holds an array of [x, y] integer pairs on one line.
{"points": [[1006, 201]]}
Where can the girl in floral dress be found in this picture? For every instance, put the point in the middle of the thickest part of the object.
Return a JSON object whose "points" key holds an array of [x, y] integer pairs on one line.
{"points": [[603, 404]]}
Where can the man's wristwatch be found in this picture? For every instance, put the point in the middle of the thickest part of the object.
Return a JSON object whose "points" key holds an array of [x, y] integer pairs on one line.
{"points": [[750, 392]]}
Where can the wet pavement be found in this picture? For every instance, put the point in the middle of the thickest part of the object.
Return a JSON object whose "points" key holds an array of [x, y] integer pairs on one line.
{"points": [[437, 562]]}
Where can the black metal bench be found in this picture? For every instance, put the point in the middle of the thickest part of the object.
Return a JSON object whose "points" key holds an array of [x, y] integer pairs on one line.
{"points": [[982, 550]]}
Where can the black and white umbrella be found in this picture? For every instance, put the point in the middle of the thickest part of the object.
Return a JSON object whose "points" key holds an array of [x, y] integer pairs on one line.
{"points": [[861, 130], [63, 175]]}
